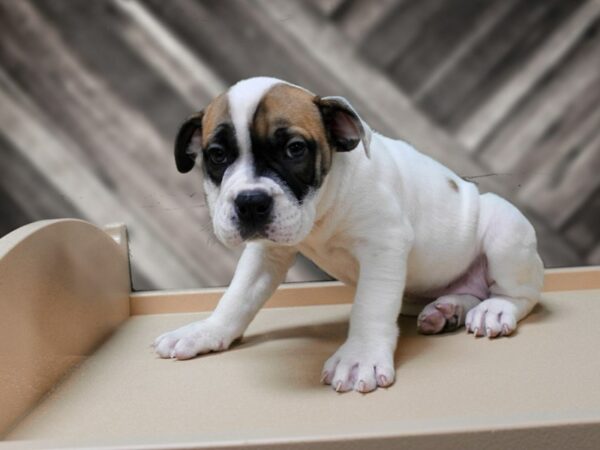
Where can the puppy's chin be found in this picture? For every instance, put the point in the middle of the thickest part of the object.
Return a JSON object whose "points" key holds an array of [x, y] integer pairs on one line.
{"points": [[228, 238], [271, 235], [289, 234]]}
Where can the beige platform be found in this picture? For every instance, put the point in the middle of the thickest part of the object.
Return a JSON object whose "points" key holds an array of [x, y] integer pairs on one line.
{"points": [[77, 370]]}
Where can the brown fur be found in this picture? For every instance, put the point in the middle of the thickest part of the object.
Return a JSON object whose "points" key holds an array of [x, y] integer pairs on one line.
{"points": [[289, 106], [216, 113]]}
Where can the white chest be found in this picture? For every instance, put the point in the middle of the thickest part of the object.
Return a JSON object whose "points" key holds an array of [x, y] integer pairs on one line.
{"points": [[333, 257]]}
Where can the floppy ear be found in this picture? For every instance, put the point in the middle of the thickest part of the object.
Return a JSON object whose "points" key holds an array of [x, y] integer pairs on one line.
{"points": [[185, 155], [345, 129]]}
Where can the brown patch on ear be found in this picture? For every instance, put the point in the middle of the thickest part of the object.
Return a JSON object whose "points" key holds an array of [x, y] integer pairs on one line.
{"points": [[289, 106], [453, 185], [216, 113]]}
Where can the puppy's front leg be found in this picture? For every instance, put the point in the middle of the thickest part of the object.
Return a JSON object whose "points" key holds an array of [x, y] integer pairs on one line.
{"points": [[260, 270], [366, 359]]}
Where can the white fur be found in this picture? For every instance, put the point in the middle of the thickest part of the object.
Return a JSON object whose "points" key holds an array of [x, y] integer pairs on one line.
{"points": [[390, 225], [243, 98]]}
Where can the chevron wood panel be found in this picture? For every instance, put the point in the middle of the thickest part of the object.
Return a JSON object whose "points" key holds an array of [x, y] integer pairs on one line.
{"points": [[92, 93]]}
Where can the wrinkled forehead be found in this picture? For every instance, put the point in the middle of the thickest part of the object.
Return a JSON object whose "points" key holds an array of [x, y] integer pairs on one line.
{"points": [[264, 103]]}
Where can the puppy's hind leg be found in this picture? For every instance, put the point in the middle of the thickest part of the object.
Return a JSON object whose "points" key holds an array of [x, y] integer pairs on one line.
{"points": [[514, 268], [447, 313]]}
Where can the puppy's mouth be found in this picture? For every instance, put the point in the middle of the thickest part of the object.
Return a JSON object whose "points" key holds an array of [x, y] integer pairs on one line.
{"points": [[252, 235]]}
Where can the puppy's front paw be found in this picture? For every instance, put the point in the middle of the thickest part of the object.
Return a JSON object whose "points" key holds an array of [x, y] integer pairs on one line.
{"points": [[492, 317], [193, 339], [361, 366]]}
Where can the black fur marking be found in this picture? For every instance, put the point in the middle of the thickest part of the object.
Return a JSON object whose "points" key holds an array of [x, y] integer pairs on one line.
{"points": [[253, 208], [183, 158], [223, 136], [270, 160]]}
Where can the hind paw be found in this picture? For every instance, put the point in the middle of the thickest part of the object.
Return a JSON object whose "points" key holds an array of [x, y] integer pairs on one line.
{"points": [[447, 313], [492, 318]]}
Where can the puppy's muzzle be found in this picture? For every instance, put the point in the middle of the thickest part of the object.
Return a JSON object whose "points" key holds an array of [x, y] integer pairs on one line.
{"points": [[253, 209]]}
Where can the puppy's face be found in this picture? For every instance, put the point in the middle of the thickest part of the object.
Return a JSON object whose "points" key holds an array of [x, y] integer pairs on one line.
{"points": [[265, 148]]}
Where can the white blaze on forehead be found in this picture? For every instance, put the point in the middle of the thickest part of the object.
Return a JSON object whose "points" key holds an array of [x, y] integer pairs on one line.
{"points": [[244, 97]]}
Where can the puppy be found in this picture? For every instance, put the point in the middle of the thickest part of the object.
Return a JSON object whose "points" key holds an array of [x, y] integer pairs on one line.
{"points": [[286, 171]]}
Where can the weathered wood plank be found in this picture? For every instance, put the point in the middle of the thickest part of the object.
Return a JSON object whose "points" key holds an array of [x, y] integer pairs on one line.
{"points": [[74, 182], [544, 118], [270, 53], [360, 17], [594, 256], [16, 218], [124, 149], [583, 228], [329, 8], [579, 119], [497, 107], [444, 32], [214, 29], [83, 27], [397, 30], [276, 53], [28, 194], [486, 21], [493, 61], [176, 63], [569, 178], [125, 72]]}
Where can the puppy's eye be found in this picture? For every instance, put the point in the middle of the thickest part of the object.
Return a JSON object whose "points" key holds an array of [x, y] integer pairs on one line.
{"points": [[217, 154], [295, 148]]}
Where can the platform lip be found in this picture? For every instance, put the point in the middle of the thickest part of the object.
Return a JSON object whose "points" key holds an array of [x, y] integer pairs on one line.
{"points": [[205, 299], [572, 278], [366, 440], [322, 293]]}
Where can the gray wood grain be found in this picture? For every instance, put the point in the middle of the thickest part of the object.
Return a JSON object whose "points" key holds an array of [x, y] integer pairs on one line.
{"points": [[91, 94]]}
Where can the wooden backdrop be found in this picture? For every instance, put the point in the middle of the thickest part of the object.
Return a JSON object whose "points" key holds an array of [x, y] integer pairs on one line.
{"points": [[505, 92]]}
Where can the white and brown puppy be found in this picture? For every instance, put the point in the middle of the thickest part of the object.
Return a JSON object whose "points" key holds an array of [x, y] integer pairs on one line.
{"points": [[286, 171]]}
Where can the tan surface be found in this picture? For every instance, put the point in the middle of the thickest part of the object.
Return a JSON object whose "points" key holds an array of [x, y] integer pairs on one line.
{"points": [[451, 390], [572, 278], [64, 286], [328, 292], [196, 300]]}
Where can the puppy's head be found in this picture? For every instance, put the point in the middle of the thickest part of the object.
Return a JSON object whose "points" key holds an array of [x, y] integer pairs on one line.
{"points": [[265, 147]]}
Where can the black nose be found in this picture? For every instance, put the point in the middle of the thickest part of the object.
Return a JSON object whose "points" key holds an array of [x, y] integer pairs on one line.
{"points": [[253, 207]]}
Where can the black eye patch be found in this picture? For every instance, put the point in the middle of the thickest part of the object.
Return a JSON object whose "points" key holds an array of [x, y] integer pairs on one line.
{"points": [[296, 170], [220, 152]]}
